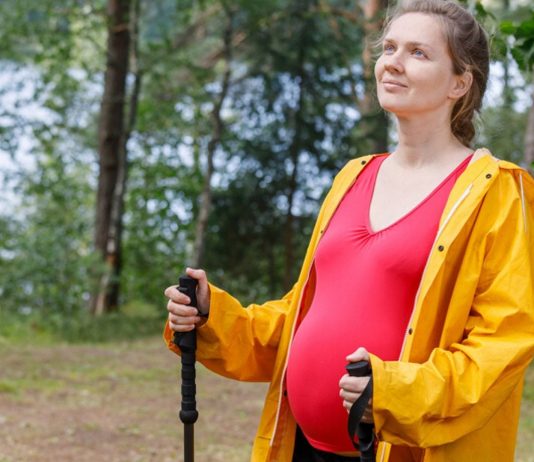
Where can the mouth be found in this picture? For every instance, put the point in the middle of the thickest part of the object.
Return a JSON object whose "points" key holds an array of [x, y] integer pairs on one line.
{"points": [[392, 83]]}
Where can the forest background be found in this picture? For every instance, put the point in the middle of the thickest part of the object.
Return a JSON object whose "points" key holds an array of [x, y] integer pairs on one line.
{"points": [[140, 137]]}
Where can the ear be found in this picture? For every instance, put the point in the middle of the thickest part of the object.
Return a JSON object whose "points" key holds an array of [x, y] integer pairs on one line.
{"points": [[462, 84]]}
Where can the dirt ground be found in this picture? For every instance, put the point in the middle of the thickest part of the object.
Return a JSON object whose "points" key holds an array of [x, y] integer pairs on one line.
{"points": [[116, 403], [119, 402]]}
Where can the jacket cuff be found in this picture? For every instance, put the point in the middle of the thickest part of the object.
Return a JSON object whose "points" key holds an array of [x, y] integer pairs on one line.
{"points": [[218, 299], [379, 400]]}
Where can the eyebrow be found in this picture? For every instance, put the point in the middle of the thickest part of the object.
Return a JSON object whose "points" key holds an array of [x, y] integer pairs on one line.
{"points": [[411, 44]]}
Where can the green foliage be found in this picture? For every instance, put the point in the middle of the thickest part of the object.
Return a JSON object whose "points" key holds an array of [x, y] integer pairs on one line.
{"points": [[503, 131], [291, 129], [290, 122], [522, 34], [46, 254], [502, 128], [80, 327], [46, 257], [288, 48], [158, 222], [115, 326]]}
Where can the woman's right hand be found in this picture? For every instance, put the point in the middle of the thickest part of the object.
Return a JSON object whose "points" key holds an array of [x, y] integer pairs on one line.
{"points": [[184, 318]]}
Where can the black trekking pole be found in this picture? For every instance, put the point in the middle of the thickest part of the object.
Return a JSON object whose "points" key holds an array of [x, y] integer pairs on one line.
{"points": [[187, 342], [364, 431]]}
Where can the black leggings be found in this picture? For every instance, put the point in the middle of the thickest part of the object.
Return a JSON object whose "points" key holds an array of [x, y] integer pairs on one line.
{"points": [[305, 452]]}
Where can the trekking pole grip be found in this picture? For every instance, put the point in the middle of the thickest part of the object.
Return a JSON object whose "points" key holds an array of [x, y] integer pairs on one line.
{"points": [[364, 431], [187, 343], [359, 369]]}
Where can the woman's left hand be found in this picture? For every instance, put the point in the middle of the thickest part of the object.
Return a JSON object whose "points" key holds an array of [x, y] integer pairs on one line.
{"points": [[353, 387]]}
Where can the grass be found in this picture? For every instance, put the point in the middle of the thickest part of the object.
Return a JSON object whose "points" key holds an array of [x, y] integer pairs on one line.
{"points": [[50, 328], [525, 440]]}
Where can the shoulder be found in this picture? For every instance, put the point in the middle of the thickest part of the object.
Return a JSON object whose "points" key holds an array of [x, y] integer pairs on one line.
{"points": [[354, 166], [344, 179], [510, 195], [348, 174], [510, 176]]}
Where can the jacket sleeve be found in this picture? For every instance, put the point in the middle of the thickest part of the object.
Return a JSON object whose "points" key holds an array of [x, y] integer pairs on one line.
{"points": [[458, 389], [239, 342]]}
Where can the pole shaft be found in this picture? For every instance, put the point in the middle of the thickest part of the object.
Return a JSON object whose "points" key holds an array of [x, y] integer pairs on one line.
{"points": [[187, 343], [189, 439]]}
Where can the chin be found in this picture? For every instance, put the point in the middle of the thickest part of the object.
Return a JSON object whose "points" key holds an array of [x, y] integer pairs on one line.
{"points": [[395, 109], [389, 103]]}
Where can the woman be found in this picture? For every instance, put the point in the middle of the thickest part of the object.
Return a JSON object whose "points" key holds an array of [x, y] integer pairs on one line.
{"points": [[421, 261]]}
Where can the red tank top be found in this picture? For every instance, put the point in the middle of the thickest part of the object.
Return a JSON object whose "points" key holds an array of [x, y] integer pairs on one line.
{"points": [[365, 289]]}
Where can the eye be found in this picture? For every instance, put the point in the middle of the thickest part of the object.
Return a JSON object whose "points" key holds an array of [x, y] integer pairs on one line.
{"points": [[419, 53], [388, 48]]}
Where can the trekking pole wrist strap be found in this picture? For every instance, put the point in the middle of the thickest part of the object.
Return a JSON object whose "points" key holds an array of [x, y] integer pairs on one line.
{"points": [[355, 426]]}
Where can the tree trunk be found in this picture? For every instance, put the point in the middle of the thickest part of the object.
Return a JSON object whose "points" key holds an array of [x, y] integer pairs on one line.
{"points": [[110, 139], [114, 246], [374, 121], [529, 138], [218, 127]]}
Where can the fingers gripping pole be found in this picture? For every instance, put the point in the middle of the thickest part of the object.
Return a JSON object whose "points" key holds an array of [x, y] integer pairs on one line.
{"points": [[187, 343]]}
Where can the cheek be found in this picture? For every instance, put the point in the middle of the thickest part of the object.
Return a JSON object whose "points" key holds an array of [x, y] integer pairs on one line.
{"points": [[379, 68]]}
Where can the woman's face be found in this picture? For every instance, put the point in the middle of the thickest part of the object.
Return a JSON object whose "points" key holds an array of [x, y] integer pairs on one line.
{"points": [[414, 72]]}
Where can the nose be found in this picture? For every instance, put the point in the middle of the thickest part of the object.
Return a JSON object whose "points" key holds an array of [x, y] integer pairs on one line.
{"points": [[393, 63]]}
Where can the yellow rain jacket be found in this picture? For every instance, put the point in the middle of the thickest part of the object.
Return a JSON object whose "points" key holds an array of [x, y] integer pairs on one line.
{"points": [[454, 395]]}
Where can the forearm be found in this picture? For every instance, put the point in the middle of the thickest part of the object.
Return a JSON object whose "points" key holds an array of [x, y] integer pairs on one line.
{"points": [[238, 342]]}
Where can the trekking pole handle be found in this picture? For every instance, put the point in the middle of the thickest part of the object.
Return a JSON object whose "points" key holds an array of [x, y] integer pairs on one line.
{"points": [[187, 343], [364, 431], [359, 369]]}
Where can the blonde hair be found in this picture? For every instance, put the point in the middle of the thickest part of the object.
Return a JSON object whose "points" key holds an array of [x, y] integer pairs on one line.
{"points": [[469, 50]]}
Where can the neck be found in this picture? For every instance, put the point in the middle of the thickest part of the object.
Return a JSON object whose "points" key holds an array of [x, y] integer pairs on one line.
{"points": [[427, 142]]}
